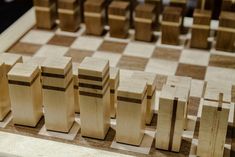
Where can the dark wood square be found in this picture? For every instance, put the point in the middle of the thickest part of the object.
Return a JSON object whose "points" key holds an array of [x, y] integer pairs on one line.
{"points": [[194, 71], [132, 63], [78, 55], [24, 49], [222, 61], [109, 46], [62, 40], [167, 54]]}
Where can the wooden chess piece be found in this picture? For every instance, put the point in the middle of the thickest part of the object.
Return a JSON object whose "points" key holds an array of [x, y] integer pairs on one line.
{"points": [[94, 90], [114, 83], [26, 94], [226, 32], [45, 11], [119, 16], [131, 107], [151, 80], [171, 117], [145, 16], [201, 29], [69, 15], [94, 12], [58, 93], [213, 128], [171, 24]]}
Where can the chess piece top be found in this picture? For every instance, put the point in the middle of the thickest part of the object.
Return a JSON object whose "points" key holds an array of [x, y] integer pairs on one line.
{"points": [[171, 92], [94, 67], [23, 72], [68, 4], [179, 81], [57, 65], [202, 17], [118, 7], [133, 88], [150, 78]]}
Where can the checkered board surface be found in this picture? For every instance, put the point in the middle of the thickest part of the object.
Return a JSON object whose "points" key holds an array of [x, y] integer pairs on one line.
{"points": [[130, 55]]}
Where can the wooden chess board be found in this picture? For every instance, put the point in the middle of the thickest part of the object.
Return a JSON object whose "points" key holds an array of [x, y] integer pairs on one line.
{"points": [[129, 55]]}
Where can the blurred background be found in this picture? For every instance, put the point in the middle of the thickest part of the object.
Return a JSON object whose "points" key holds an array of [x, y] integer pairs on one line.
{"points": [[11, 10]]}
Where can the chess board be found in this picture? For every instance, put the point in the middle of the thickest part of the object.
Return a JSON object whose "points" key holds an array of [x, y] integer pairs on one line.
{"points": [[130, 55]]}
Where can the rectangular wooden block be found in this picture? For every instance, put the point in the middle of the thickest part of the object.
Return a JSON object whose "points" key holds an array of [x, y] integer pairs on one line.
{"points": [[145, 16], [171, 23], [75, 86], [201, 29], [119, 16], [58, 93], [213, 129], [158, 10], [45, 11], [171, 118], [226, 32], [10, 60], [94, 90], [26, 94], [131, 107], [151, 80], [5, 103], [114, 83], [69, 11], [94, 12]]}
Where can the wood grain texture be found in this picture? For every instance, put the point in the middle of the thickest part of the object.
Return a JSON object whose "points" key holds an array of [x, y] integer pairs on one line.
{"points": [[25, 99], [201, 29], [144, 18], [119, 16], [69, 12], [130, 115], [226, 34], [172, 15]]}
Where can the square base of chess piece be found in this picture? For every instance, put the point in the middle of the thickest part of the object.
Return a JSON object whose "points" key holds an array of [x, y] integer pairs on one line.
{"points": [[26, 94]]}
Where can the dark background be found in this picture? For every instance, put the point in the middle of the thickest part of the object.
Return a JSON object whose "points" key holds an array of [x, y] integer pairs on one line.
{"points": [[11, 11]]}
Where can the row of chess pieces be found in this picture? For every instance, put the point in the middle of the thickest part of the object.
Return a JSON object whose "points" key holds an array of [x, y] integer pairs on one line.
{"points": [[122, 15], [95, 90]]}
